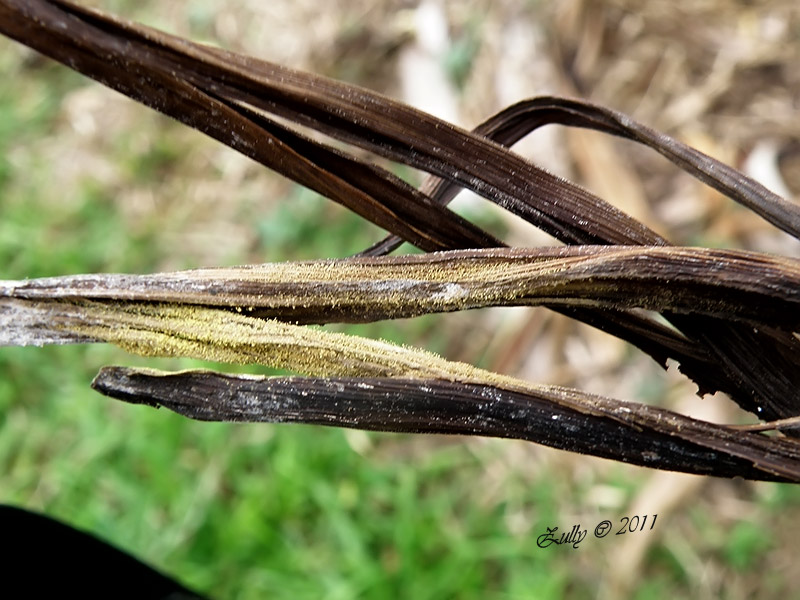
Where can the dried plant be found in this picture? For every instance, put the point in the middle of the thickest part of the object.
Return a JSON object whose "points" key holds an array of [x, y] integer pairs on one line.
{"points": [[727, 316]]}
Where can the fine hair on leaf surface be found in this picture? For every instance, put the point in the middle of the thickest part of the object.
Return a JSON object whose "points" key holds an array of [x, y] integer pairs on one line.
{"points": [[731, 316]]}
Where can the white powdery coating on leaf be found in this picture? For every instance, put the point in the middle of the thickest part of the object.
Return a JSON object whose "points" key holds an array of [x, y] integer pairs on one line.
{"points": [[451, 293], [23, 324]]}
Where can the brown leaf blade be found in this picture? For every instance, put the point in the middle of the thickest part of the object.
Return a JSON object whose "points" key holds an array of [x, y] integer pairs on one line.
{"points": [[181, 78], [136, 67], [564, 419], [761, 290], [512, 124]]}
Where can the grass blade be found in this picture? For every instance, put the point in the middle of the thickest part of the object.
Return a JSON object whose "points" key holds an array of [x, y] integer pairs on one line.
{"points": [[760, 289], [552, 416]]}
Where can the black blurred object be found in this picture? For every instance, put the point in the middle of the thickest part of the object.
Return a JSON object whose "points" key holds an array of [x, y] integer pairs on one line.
{"points": [[44, 556]]}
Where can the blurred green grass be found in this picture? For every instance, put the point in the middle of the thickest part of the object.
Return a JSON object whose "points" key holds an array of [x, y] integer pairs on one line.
{"points": [[248, 511]]}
